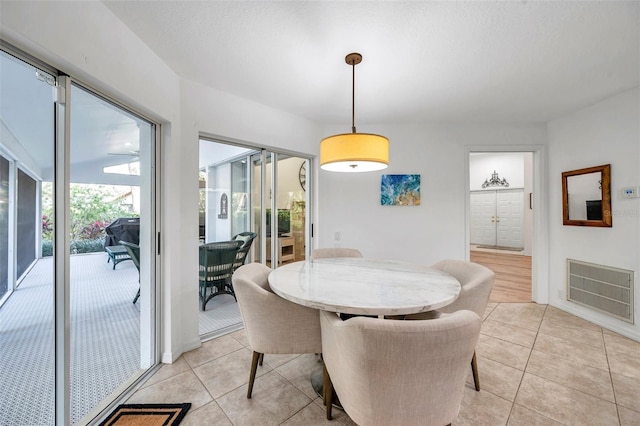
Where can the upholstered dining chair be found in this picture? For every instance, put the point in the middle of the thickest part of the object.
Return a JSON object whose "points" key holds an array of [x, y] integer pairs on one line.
{"points": [[321, 253], [273, 325], [389, 372], [477, 283]]}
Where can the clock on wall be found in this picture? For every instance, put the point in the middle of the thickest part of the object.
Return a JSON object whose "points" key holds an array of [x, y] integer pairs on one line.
{"points": [[302, 175]]}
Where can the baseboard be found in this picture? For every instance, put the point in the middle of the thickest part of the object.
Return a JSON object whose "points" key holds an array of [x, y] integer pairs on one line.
{"points": [[171, 357], [611, 324]]}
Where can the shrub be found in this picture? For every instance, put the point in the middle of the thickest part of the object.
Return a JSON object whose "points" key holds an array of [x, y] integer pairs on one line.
{"points": [[87, 246], [47, 226], [47, 248], [94, 230], [76, 246]]}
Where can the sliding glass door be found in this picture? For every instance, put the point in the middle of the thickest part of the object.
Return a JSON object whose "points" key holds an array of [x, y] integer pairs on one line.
{"points": [[244, 179], [73, 165], [280, 206], [27, 369], [111, 206]]}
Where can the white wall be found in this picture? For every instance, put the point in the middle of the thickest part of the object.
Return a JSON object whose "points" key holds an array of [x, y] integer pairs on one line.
{"points": [[605, 133], [508, 165], [218, 183], [350, 203]]}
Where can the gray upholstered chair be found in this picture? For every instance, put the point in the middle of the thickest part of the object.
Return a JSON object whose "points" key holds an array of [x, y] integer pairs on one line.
{"points": [[321, 253], [273, 325], [388, 372], [477, 283]]}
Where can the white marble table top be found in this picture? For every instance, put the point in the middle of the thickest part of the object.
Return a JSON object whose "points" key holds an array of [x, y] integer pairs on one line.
{"points": [[364, 286]]}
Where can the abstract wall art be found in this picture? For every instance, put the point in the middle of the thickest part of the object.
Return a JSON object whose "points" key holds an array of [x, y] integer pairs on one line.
{"points": [[400, 190]]}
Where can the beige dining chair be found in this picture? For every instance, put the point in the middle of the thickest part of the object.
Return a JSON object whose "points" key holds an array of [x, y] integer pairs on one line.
{"points": [[273, 325], [388, 372], [477, 283], [322, 253]]}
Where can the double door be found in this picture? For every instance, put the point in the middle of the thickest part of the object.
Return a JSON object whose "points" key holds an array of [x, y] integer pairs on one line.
{"points": [[497, 218]]}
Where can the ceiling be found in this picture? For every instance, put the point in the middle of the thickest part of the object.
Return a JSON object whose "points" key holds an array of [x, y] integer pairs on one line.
{"points": [[480, 62]]}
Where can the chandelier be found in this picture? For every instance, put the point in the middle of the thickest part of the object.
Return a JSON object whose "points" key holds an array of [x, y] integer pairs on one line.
{"points": [[354, 152]]}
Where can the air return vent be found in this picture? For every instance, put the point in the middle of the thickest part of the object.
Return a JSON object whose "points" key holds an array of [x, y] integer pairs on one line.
{"points": [[606, 289]]}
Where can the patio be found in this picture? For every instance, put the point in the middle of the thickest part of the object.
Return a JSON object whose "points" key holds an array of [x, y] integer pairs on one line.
{"points": [[105, 336]]}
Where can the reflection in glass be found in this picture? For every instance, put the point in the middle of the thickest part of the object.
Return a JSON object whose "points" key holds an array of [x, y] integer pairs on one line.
{"points": [[26, 274], [585, 196], [4, 227]]}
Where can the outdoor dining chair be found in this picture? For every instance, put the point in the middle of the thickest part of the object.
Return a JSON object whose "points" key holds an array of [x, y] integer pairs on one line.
{"points": [[247, 238], [216, 268], [134, 253]]}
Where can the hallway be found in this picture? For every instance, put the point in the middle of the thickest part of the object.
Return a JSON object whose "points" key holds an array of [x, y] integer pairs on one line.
{"points": [[513, 275]]}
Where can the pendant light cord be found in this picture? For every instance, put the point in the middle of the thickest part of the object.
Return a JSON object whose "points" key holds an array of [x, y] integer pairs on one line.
{"points": [[353, 97]]}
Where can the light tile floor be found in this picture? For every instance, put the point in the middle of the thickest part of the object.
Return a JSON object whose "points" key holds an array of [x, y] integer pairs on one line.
{"points": [[538, 366]]}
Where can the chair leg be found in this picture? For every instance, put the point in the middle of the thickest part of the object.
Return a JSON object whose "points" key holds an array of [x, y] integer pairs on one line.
{"points": [[474, 370], [252, 375], [261, 360], [135, 299], [327, 391]]}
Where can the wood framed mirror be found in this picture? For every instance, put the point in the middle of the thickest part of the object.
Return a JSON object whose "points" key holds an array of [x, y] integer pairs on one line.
{"points": [[586, 196]]}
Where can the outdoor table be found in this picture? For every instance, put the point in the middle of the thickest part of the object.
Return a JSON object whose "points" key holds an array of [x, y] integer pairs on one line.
{"points": [[117, 254]]}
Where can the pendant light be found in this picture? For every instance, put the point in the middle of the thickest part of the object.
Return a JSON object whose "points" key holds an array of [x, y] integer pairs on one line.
{"points": [[354, 152]]}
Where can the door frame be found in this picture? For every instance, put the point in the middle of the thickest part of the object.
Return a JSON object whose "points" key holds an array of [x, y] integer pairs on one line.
{"points": [[540, 226]]}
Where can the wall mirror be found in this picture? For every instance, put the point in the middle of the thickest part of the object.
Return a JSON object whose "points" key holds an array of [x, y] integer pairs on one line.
{"points": [[586, 196]]}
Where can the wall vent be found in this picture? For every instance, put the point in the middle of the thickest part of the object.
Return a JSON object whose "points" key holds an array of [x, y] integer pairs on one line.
{"points": [[604, 288]]}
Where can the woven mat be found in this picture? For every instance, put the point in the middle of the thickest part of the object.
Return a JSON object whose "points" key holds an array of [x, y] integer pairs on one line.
{"points": [[147, 415]]}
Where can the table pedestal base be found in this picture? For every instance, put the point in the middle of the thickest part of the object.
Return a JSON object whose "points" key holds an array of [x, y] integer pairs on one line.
{"points": [[317, 384]]}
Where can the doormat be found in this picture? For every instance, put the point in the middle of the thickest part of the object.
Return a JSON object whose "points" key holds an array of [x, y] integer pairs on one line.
{"points": [[502, 248], [147, 415]]}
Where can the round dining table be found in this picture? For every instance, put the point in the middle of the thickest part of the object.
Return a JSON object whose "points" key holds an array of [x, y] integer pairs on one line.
{"points": [[361, 286]]}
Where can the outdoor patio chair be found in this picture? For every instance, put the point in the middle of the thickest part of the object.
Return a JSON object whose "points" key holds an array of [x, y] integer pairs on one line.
{"points": [[134, 253], [216, 267], [241, 256]]}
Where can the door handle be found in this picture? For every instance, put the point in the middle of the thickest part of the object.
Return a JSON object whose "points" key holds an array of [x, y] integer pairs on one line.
{"points": [[493, 219]]}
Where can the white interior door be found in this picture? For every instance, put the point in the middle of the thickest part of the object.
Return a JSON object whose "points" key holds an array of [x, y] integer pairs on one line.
{"points": [[497, 218], [483, 217], [510, 221]]}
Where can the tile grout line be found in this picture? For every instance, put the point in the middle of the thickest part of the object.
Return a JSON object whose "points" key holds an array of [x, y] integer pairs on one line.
{"points": [[524, 371], [613, 386]]}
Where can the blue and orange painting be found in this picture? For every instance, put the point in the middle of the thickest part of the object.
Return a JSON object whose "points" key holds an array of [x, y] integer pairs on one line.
{"points": [[400, 190]]}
